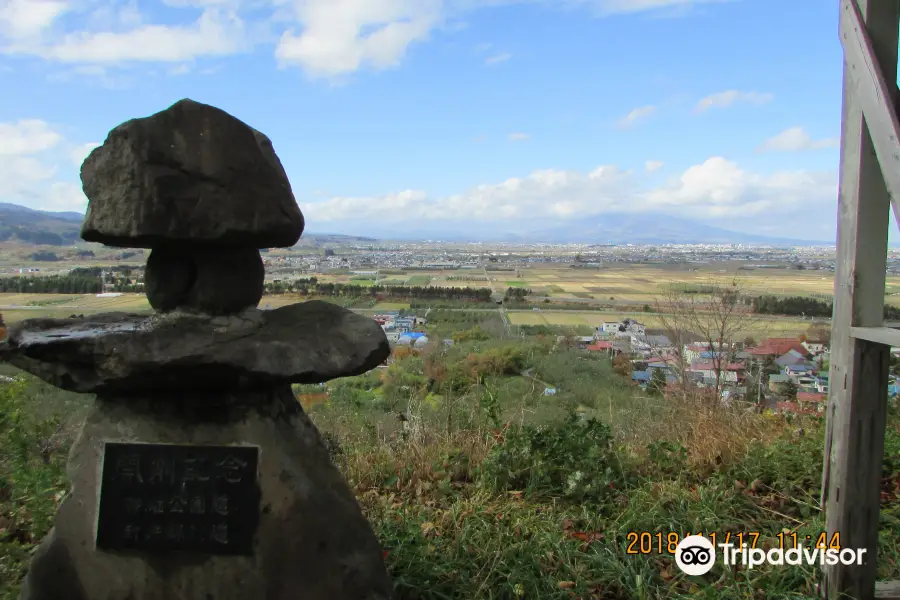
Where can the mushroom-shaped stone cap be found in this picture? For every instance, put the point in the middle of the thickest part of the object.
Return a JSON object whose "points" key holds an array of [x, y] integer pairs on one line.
{"points": [[191, 174]]}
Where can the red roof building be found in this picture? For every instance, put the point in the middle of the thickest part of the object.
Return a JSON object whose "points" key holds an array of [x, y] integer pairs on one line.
{"points": [[812, 397], [598, 346], [777, 347]]}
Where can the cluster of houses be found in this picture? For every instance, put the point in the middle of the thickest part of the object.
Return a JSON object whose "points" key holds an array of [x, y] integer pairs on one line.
{"points": [[785, 374], [400, 330], [790, 373]]}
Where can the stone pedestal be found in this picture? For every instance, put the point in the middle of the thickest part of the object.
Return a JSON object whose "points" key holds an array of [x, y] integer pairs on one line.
{"points": [[312, 542]]}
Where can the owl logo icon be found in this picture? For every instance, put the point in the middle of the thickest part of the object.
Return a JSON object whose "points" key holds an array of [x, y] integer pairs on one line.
{"points": [[695, 555]]}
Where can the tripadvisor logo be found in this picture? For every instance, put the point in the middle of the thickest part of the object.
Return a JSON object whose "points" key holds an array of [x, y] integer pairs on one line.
{"points": [[696, 555]]}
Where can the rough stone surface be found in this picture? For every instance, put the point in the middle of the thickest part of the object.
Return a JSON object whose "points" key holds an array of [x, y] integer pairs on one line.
{"points": [[312, 543], [130, 354], [224, 281], [189, 174]]}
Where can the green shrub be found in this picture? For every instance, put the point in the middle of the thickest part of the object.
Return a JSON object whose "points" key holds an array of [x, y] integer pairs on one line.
{"points": [[32, 471], [667, 458], [574, 459]]}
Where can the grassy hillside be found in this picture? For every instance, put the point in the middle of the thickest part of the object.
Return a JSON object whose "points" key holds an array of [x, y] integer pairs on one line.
{"points": [[493, 490]]}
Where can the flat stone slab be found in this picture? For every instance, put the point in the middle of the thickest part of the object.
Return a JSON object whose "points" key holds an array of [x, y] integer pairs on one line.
{"points": [[128, 354], [190, 174], [311, 540]]}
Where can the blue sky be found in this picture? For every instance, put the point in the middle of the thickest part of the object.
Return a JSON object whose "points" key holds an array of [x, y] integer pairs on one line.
{"points": [[453, 113]]}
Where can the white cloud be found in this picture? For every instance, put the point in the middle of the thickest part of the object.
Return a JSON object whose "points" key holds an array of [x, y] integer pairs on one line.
{"points": [[26, 136], [498, 58], [637, 115], [201, 3], [33, 156], [64, 196], [716, 190], [611, 7], [653, 165], [182, 69], [215, 33], [18, 173], [518, 137], [118, 15], [81, 151], [341, 36], [325, 38], [25, 18], [39, 170], [102, 76], [796, 139], [729, 97]]}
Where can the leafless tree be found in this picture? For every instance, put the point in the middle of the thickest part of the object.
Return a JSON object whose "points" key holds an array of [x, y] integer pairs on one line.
{"points": [[718, 317]]}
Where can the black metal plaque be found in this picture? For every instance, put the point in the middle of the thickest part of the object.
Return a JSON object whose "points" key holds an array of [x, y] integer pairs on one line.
{"points": [[167, 497]]}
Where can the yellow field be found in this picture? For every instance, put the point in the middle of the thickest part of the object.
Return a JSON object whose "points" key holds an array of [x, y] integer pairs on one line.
{"points": [[280, 300], [527, 318], [639, 282], [565, 318], [633, 284], [16, 307]]}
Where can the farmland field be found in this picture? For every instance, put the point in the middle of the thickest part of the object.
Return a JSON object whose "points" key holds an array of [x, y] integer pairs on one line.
{"points": [[527, 318], [768, 326], [17, 307], [642, 282], [626, 284], [420, 280], [391, 306]]}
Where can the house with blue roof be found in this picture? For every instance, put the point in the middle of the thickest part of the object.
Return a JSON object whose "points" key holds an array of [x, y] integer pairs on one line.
{"points": [[641, 377], [799, 370], [791, 358], [659, 363]]}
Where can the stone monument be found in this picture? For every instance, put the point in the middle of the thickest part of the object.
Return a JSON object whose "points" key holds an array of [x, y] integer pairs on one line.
{"points": [[196, 475]]}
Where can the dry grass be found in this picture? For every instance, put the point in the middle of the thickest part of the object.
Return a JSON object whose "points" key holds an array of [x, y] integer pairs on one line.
{"points": [[417, 460], [710, 437]]}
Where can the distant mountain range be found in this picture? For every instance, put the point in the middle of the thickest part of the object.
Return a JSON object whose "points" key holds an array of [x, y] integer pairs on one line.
{"points": [[20, 224], [29, 226], [655, 229], [602, 229], [44, 228]]}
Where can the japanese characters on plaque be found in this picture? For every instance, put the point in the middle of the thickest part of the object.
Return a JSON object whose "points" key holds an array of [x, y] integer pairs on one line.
{"points": [[167, 497]]}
